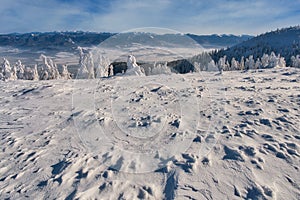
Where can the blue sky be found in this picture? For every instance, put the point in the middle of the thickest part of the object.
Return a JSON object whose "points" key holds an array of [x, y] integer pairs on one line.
{"points": [[193, 16]]}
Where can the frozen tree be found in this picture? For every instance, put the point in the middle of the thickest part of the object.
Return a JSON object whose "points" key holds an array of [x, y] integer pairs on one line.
{"points": [[1, 73], [35, 74], [133, 68], [160, 69], [55, 72], [295, 61], [14, 72], [197, 67], [258, 64], [222, 64], [65, 74], [242, 63], [211, 66], [86, 65], [31, 73], [46, 71], [227, 65], [20, 69], [281, 62], [102, 66], [250, 63], [83, 72], [274, 60], [90, 65], [265, 61], [49, 69], [111, 70], [234, 64], [7, 72]]}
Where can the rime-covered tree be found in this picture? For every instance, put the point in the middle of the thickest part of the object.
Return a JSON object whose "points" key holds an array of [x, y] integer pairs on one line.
{"points": [[234, 64], [111, 70], [31, 73], [281, 62], [295, 61], [102, 66], [242, 63], [258, 64], [250, 63], [35, 74], [133, 68], [265, 61], [20, 69], [90, 65], [86, 65], [49, 69], [83, 72], [211, 66], [273, 61], [160, 69], [197, 67], [7, 72], [65, 74], [222, 64]]}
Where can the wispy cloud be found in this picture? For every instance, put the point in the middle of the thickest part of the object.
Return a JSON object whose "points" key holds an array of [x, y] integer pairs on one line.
{"points": [[197, 16]]}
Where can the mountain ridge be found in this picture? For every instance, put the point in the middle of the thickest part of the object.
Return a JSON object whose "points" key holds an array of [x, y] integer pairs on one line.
{"points": [[68, 39]]}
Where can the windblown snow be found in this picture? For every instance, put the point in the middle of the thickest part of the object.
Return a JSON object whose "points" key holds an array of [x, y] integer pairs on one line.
{"points": [[245, 144]]}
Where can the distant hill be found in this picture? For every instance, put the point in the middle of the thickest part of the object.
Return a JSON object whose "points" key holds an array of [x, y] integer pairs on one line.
{"points": [[69, 40], [285, 42], [219, 41], [53, 40]]}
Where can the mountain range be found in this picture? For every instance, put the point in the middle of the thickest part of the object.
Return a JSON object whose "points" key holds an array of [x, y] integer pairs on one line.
{"points": [[60, 45], [69, 40]]}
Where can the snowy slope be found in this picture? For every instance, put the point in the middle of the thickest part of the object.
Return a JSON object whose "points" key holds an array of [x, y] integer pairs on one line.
{"points": [[285, 42], [69, 139]]}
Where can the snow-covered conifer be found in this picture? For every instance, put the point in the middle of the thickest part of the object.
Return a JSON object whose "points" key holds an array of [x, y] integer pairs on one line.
{"points": [[258, 64], [295, 61], [7, 72], [242, 63], [20, 69], [65, 74], [265, 61], [234, 64]]}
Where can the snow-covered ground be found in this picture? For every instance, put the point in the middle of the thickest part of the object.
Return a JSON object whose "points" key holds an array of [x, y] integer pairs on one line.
{"points": [[193, 136]]}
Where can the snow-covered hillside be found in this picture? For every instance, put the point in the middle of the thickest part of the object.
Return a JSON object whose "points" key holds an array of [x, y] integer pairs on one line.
{"points": [[193, 136], [285, 42]]}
